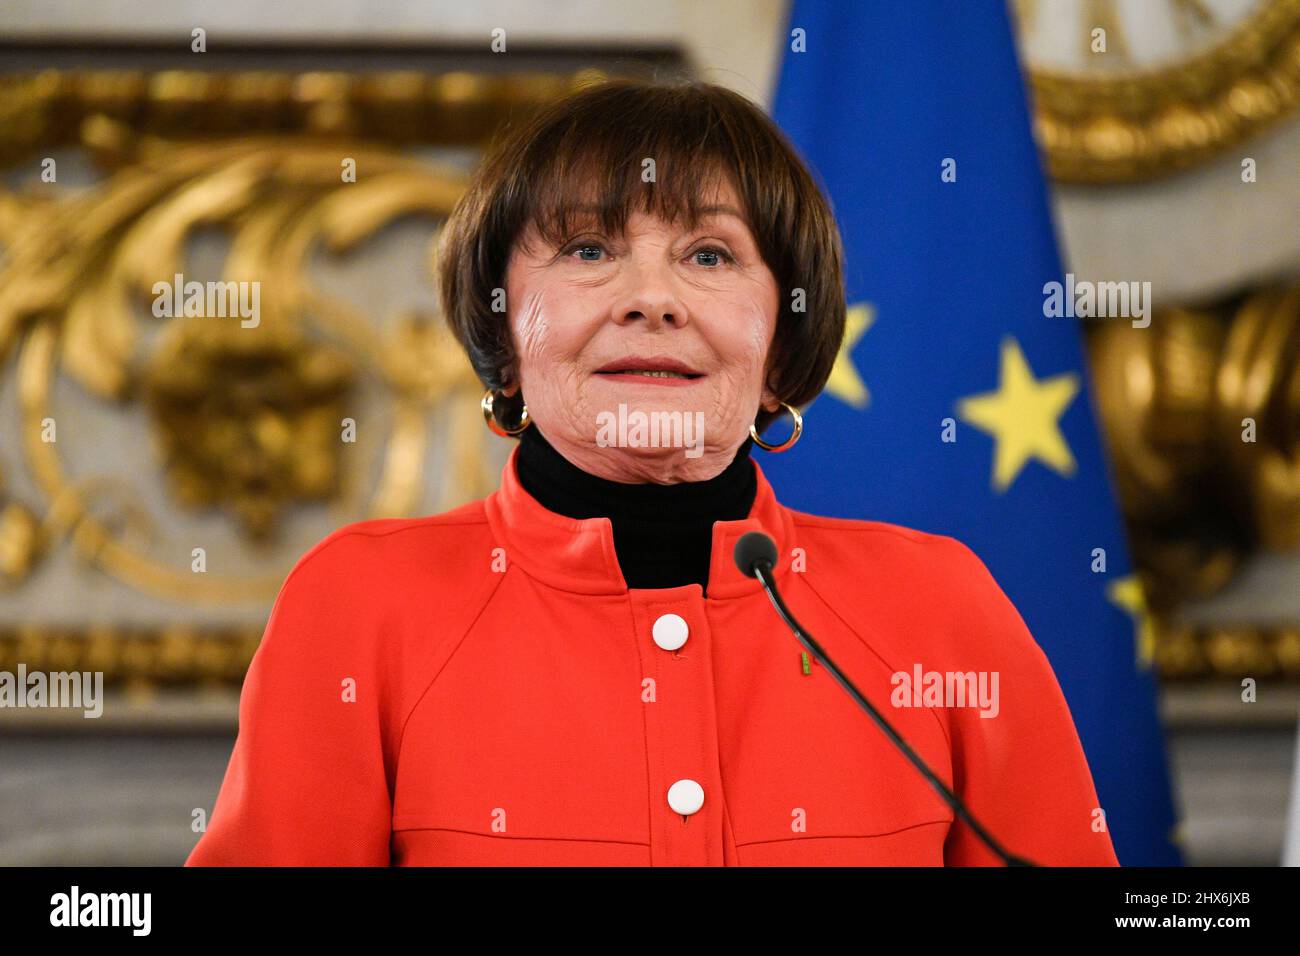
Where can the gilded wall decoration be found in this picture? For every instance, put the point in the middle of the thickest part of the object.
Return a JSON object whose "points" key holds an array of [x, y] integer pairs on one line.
{"points": [[247, 409], [1177, 81], [1201, 413]]}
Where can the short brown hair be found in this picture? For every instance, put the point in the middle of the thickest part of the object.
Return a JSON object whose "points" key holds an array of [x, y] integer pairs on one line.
{"points": [[588, 148]]}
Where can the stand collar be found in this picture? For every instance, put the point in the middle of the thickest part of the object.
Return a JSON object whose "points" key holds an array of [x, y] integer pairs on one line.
{"points": [[578, 554]]}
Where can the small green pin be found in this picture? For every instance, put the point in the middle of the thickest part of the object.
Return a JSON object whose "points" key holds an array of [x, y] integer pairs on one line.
{"points": [[806, 669]]}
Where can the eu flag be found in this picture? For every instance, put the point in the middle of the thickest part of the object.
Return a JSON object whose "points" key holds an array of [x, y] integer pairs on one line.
{"points": [[957, 406]]}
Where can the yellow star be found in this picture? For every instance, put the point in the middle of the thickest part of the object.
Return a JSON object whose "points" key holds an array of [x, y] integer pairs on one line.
{"points": [[1022, 416], [845, 383], [1178, 834], [1126, 594]]}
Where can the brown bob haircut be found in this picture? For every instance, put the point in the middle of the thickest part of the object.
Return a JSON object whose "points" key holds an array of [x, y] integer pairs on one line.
{"points": [[588, 148]]}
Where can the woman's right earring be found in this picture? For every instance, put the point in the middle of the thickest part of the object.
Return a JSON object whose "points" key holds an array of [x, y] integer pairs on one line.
{"points": [[486, 404]]}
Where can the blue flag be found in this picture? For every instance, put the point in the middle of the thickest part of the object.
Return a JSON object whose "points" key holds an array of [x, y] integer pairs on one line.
{"points": [[957, 406]]}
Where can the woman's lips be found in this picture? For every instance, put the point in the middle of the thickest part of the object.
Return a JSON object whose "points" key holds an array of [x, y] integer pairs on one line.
{"points": [[639, 379]]}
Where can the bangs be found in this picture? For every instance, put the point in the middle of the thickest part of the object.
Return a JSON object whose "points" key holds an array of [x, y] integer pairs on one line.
{"points": [[667, 159]]}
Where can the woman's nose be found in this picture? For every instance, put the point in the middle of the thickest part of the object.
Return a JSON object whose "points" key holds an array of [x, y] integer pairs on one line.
{"points": [[650, 296], [653, 316]]}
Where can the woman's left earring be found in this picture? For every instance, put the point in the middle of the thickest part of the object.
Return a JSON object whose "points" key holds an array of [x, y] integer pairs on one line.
{"points": [[789, 442], [524, 420]]}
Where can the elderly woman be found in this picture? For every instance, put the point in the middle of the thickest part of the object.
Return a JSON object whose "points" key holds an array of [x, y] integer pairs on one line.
{"points": [[574, 670]]}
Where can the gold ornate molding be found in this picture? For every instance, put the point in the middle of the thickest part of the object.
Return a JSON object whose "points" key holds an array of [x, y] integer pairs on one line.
{"points": [[52, 107], [244, 419], [1201, 412], [135, 658], [1186, 652], [1101, 129], [247, 418]]}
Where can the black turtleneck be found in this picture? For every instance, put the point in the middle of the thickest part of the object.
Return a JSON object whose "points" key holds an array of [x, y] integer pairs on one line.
{"points": [[663, 534]]}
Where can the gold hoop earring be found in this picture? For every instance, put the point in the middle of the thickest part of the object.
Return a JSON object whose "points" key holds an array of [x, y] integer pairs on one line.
{"points": [[789, 442], [486, 404]]}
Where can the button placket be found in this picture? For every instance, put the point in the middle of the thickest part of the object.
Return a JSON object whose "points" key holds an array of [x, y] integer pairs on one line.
{"points": [[681, 731]]}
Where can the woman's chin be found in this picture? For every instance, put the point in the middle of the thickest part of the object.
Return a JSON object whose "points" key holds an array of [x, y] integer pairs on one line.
{"points": [[657, 465]]}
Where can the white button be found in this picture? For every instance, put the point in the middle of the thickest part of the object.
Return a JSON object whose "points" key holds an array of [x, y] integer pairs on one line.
{"points": [[670, 631], [686, 796]]}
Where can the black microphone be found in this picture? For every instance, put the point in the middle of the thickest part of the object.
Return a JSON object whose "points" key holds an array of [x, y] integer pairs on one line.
{"points": [[755, 555]]}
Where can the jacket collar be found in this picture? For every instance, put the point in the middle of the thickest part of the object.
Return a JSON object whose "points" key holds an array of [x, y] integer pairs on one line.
{"points": [[578, 555]]}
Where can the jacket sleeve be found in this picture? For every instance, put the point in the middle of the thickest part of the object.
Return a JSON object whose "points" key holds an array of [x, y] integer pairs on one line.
{"points": [[306, 783], [1020, 771]]}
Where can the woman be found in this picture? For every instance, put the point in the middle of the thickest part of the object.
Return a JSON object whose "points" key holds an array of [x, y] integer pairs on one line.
{"points": [[573, 670]]}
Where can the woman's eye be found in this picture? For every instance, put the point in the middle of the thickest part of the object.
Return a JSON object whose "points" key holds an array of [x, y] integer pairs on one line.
{"points": [[710, 256], [581, 248], [714, 256]]}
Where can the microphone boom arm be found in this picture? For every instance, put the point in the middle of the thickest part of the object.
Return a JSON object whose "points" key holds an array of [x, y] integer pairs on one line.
{"points": [[762, 569]]}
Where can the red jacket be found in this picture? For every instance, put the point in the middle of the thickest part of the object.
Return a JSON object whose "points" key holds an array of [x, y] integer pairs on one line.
{"points": [[480, 687]]}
